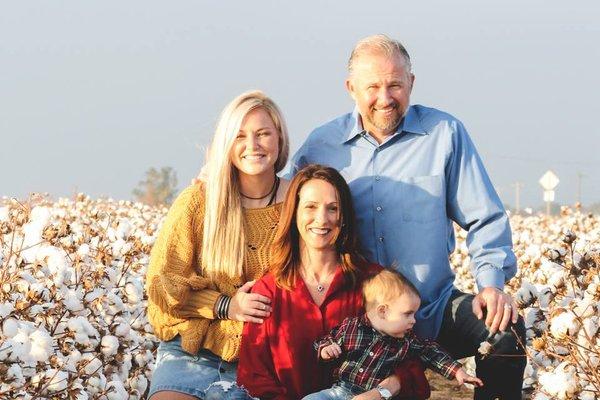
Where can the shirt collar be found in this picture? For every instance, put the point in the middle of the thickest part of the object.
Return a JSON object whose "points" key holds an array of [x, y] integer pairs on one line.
{"points": [[410, 123]]}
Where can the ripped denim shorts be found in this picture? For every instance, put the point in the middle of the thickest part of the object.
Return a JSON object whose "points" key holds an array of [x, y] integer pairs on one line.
{"points": [[198, 375]]}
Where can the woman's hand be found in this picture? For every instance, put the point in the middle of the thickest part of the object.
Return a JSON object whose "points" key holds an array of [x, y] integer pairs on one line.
{"points": [[249, 307]]}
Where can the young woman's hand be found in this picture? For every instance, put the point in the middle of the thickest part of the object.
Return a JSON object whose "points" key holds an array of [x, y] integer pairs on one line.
{"points": [[249, 307]]}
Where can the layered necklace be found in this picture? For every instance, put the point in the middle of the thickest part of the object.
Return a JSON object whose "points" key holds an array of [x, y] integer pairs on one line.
{"points": [[272, 192]]}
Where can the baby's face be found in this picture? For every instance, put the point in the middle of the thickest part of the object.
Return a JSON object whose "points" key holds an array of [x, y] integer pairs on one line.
{"points": [[400, 315]]}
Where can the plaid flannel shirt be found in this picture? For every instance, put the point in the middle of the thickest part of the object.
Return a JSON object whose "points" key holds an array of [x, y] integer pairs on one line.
{"points": [[370, 356]]}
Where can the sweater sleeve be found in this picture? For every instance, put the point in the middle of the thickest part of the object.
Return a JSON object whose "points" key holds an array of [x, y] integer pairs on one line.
{"points": [[256, 371], [173, 283]]}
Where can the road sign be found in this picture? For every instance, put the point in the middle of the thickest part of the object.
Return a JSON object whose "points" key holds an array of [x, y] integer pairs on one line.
{"points": [[548, 195], [549, 180]]}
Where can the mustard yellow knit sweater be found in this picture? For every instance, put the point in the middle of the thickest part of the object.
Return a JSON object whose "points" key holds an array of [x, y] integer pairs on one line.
{"points": [[180, 300]]}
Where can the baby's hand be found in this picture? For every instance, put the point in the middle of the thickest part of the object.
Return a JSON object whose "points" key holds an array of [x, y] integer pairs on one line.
{"points": [[331, 351], [462, 377]]}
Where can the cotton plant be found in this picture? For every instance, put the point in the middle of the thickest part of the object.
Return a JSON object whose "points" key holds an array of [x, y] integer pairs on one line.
{"points": [[73, 308], [72, 302], [557, 290]]}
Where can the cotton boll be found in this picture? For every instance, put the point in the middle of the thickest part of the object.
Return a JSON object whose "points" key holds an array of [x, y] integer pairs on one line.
{"points": [[586, 307], [5, 309], [93, 295], [91, 364], [545, 296], [110, 345], [123, 229], [590, 326], [21, 345], [116, 391], [41, 345], [122, 329], [588, 393], [485, 348], [563, 323], [96, 384], [4, 214], [557, 280], [139, 383], [526, 295], [15, 373], [535, 319], [72, 299], [57, 380], [83, 250], [561, 382], [530, 376], [133, 292], [10, 327], [35, 310]]}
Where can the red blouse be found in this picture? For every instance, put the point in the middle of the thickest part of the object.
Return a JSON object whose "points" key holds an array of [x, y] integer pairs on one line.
{"points": [[277, 358]]}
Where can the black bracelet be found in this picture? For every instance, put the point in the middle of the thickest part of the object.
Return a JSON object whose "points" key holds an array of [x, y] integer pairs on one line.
{"points": [[226, 307], [222, 307], [218, 307]]}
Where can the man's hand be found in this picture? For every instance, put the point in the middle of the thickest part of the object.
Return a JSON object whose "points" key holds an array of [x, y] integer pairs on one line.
{"points": [[500, 308], [331, 351], [249, 307], [462, 377]]}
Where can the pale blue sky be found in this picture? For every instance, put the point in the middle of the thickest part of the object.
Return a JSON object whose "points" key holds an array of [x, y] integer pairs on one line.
{"points": [[94, 93]]}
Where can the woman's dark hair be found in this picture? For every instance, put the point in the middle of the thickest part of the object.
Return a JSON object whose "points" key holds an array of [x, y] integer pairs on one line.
{"points": [[285, 257]]}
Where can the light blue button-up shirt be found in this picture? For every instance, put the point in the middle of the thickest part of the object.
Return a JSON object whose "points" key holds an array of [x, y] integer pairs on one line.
{"points": [[408, 190]]}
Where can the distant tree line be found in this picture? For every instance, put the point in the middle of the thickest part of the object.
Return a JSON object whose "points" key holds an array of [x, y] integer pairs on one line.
{"points": [[158, 187]]}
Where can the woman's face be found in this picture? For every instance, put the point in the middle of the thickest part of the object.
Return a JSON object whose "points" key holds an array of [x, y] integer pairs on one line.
{"points": [[318, 215], [256, 147]]}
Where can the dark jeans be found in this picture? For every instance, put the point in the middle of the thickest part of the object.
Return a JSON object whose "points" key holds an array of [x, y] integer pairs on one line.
{"points": [[502, 370]]}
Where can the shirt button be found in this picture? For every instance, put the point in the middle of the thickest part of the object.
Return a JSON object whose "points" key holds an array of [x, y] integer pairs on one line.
{"points": [[361, 370], [378, 208], [371, 354], [381, 238]]}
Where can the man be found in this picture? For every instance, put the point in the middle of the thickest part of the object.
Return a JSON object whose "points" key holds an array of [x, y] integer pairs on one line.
{"points": [[412, 171]]}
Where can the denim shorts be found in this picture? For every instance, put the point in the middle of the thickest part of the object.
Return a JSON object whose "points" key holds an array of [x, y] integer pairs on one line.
{"points": [[179, 371]]}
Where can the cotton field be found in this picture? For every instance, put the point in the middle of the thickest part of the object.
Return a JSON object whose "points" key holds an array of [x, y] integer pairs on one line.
{"points": [[72, 306]]}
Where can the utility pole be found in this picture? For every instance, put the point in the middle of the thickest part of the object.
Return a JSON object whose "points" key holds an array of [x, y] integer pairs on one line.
{"points": [[517, 185]]}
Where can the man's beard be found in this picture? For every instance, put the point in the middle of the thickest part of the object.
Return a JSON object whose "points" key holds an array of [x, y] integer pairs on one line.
{"points": [[384, 124]]}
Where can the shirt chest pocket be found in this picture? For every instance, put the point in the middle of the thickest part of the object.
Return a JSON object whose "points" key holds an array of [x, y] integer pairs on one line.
{"points": [[423, 198]]}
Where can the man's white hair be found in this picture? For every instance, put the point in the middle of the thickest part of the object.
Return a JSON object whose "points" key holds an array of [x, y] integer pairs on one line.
{"points": [[381, 44]]}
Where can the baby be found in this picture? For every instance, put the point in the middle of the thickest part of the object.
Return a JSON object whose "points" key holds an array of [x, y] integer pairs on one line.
{"points": [[374, 343]]}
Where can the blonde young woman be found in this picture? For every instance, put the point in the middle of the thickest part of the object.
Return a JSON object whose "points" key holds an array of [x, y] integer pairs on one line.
{"points": [[212, 246]]}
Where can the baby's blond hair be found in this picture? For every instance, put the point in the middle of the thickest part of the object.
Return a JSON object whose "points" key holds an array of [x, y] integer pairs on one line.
{"points": [[386, 286]]}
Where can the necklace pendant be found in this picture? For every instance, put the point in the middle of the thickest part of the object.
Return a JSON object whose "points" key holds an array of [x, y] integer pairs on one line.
{"points": [[320, 288]]}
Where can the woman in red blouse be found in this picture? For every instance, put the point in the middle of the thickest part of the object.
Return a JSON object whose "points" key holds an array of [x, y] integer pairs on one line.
{"points": [[315, 283]]}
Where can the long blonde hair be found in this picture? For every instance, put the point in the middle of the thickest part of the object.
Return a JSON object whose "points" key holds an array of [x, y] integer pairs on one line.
{"points": [[224, 239]]}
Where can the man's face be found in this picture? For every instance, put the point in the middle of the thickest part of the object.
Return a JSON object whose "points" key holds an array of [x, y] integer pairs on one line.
{"points": [[381, 87]]}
